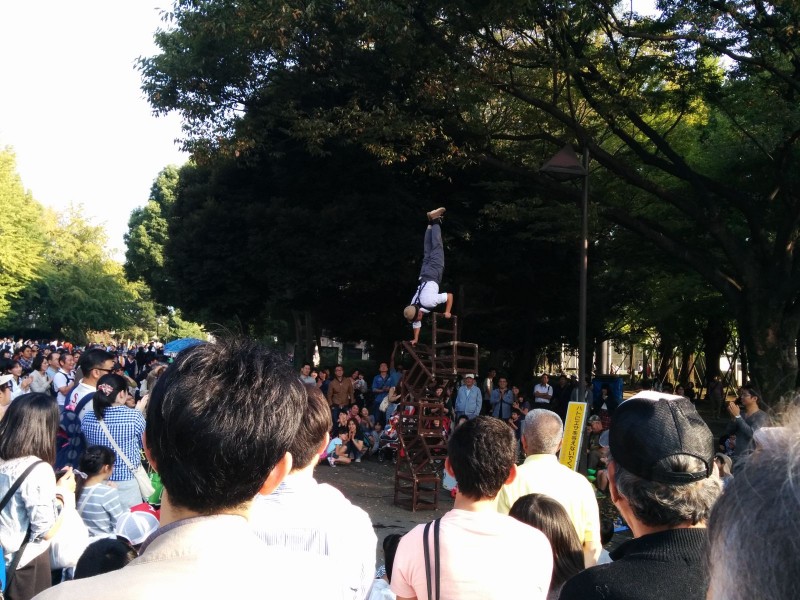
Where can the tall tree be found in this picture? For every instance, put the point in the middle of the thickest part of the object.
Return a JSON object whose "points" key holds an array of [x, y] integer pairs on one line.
{"points": [[22, 237], [691, 116]]}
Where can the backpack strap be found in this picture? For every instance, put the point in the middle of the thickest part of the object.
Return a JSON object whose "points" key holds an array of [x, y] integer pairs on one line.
{"points": [[82, 404]]}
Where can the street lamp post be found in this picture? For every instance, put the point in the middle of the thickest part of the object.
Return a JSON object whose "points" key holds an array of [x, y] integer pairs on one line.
{"points": [[565, 166]]}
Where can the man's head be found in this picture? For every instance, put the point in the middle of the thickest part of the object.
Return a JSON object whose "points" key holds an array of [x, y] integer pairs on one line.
{"points": [[595, 424], [562, 380], [662, 470], [383, 368], [752, 537], [66, 362], [411, 313], [312, 435], [53, 360], [545, 378], [469, 380], [542, 432], [481, 455], [305, 370], [502, 383], [220, 421], [94, 364], [338, 371]]}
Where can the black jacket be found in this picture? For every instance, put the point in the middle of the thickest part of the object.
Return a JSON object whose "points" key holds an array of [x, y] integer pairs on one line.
{"points": [[660, 566]]}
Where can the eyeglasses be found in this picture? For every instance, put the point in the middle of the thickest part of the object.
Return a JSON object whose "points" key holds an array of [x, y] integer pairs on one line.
{"points": [[106, 370]]}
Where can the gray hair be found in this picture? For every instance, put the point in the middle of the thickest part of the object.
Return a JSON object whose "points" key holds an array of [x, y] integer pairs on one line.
{"points": [[668, 504], [543, 430], [755, 524]]}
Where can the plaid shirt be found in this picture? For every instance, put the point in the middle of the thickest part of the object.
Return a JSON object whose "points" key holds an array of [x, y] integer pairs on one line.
{"points": [[126, 426]]}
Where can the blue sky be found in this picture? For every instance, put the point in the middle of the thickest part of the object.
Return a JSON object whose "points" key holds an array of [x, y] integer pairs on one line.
{"points": [[72, 110]]}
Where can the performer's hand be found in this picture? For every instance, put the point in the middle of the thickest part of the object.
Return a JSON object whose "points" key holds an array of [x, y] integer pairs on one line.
{"points": [[413, 342], [447, 315]]}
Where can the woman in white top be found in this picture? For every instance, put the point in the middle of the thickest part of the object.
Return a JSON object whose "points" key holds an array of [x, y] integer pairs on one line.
{"points": [[35, 511], [19, 385], [41, 380]]}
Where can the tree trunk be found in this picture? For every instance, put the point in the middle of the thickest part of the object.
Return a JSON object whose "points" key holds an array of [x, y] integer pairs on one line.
{"points": [[770, 336], [715, 336]]}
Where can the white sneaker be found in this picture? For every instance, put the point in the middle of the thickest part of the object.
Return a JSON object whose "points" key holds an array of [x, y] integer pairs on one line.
{"points": [[332, 461], [358, 459]]}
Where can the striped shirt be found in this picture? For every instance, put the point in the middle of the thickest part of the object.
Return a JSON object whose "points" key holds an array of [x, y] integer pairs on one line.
{"points": [[126, 426], [100, 508], [303, 515]]}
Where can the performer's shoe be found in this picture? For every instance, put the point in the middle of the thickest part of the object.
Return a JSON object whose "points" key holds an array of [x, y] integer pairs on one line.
{"points": [[437, 213]]}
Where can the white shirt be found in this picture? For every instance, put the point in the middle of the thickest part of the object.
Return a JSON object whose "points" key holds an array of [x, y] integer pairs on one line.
{"points": [[308, 516], [544, 389]]}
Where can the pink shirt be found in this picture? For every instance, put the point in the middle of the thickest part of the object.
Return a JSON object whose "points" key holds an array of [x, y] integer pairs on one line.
{"points": [[478, 552]]}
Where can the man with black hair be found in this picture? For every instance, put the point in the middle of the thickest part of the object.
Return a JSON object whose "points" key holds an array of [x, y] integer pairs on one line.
{"points": [[220, 422], [94, 364], [481, 456], [662, 481], [427, 295], [297, 515]]}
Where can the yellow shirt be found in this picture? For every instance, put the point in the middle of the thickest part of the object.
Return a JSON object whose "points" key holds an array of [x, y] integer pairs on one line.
{"points": [[543, 474]]}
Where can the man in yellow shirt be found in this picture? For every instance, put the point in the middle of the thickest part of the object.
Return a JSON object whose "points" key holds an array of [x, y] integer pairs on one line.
{"points": [[541, 473]]}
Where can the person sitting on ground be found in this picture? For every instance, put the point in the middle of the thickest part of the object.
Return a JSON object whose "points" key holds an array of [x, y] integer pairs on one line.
{"points": [[356, 441], [480, 454], [98, 503], [549, 517], [336, 452], [220, 422], [290, 517], [427, 297]]}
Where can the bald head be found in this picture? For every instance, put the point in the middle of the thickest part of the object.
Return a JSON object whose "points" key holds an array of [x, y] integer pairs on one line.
{"points": [[543, 430]]}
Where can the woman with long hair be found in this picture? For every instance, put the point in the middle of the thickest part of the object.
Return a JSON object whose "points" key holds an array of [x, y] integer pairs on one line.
{"points": [[125, 426], [548, 516], [31, 516]]}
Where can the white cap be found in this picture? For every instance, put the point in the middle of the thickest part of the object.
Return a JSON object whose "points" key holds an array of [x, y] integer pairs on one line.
{"points": [[136, 526], [470, 375], [4, 379]]}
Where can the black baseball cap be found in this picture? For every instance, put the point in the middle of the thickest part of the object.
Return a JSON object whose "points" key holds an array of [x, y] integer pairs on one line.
{"points": [[652, 426]]}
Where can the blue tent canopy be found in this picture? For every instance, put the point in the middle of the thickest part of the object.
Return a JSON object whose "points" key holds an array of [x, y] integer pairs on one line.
{"points": [[176, 346]]}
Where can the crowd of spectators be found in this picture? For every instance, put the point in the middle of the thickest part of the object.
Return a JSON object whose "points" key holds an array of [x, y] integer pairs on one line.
{"points": [[236, 435]]}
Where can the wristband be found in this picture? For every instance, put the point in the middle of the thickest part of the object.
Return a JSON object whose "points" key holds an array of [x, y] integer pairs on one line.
{"points": [[738, 416]]}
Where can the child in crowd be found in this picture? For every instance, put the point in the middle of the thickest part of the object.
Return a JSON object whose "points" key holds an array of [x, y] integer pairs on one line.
{"points": [[336, 452], [97, 502], [380, 587]]}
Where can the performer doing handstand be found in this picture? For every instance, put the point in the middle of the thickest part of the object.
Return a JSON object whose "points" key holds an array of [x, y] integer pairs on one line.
{"points": [[427, 295]]}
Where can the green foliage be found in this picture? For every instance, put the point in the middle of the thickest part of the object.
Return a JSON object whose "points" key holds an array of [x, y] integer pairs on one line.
{"points": [[691, 118], [22, 240]]}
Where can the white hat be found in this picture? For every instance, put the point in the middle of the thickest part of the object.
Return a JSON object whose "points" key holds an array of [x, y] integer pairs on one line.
{"points": [[470, 375], [4, 379], [136, 526]]}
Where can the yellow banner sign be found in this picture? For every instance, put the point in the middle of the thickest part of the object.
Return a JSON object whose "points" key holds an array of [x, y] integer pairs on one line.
{"points": [[570, 455]]}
